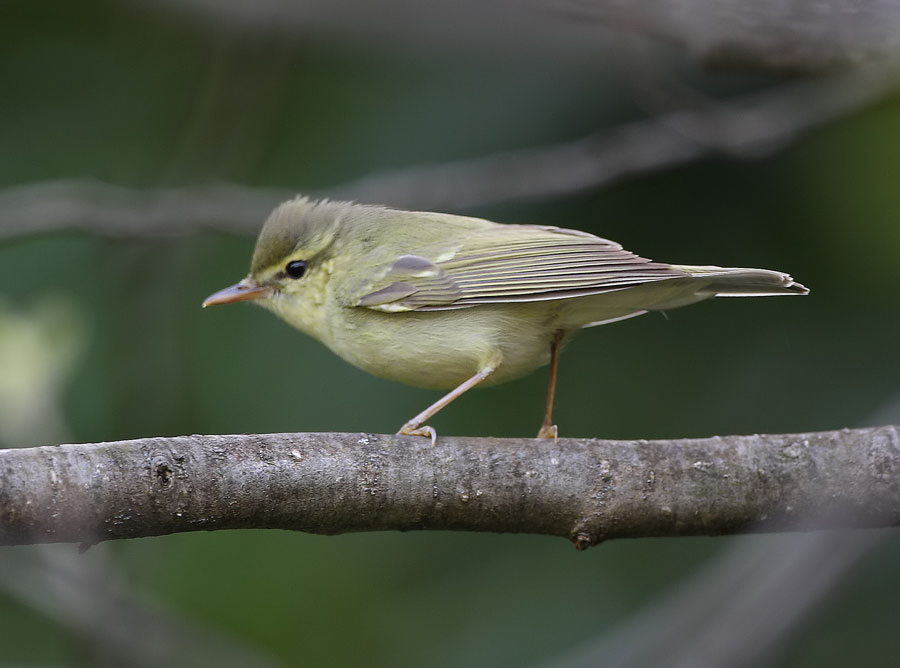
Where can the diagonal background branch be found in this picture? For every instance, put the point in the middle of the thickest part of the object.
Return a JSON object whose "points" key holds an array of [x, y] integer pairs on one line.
{"points": [[747, 127], [799, 35], [584, 490]]}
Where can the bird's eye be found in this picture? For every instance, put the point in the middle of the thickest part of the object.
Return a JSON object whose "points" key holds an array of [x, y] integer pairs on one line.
{"points": [[295, 268]]}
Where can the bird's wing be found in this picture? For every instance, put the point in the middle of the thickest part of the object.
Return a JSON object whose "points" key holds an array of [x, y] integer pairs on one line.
{"points": [[504, 264]]}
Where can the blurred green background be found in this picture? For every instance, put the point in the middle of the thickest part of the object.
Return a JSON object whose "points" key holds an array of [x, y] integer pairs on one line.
{"points": [[102, 338]]}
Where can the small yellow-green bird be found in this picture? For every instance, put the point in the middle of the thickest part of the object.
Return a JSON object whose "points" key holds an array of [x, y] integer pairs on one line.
{"points": [[450, 302]]}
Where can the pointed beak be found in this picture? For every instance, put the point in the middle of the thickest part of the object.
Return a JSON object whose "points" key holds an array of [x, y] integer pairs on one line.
{"points": [[238, 292]]}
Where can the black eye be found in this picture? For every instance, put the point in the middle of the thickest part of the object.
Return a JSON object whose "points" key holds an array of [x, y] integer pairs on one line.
{"points": [[295, 268]]}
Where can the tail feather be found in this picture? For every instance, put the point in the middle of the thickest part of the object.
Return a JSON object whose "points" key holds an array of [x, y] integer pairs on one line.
{"points": [[739, 282]]}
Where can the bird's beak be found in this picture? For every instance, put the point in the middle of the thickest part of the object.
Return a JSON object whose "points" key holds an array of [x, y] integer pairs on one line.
{"points": [[238, 292]]}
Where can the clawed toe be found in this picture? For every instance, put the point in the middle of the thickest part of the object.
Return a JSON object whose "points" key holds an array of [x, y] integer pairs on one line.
{"points": [[408, 430]]}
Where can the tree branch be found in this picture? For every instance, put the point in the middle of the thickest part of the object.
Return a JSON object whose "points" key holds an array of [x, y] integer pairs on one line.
{"points": [[750, 126], [585, 490], [800, 35], [747, 127]]}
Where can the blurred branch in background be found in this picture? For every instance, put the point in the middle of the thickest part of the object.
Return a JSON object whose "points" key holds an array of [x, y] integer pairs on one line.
{"points": [[744, 128], [796, 35], [736, 611], [102, 208], [748, 127], [89, 595], [585, 490]]}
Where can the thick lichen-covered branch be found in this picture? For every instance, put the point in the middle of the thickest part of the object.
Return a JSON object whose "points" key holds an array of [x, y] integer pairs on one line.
{"points": [[585, 490]]}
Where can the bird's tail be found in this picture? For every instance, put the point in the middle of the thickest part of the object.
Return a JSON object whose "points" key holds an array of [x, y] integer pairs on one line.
{"points": [[738, 282]]}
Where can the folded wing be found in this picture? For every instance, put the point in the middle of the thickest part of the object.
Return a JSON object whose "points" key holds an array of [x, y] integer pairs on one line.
{"points": [[506, 264]]}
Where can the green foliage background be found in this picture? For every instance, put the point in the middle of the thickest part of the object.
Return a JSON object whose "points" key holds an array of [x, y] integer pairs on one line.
{"points": [[109, 91]]}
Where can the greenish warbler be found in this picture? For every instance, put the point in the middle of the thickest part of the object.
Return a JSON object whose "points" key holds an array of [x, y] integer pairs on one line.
{"points": [[451, 302]]}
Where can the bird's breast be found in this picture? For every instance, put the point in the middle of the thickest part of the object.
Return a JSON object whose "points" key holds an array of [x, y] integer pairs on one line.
{"points": [[441, 349]]}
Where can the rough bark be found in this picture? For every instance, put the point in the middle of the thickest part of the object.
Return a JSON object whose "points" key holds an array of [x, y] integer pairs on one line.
{"points": [[585, 490]]}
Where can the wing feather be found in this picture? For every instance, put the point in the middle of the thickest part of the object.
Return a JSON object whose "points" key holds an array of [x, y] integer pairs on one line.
{"points": [[509, 263]]}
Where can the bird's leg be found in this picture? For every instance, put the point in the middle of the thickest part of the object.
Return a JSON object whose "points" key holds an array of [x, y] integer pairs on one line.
{"points": [[414, 426], [548, 429]]}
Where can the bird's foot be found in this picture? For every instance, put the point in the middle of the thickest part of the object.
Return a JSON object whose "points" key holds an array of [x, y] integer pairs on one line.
{"points": [[548, 431], [415, 430]]}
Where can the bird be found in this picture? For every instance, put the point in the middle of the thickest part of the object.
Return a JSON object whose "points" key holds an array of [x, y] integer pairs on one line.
{"points": [[451, 302]]}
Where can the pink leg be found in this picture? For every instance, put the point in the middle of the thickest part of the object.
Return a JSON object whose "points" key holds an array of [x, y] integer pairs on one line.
{"points": [[548, 429], [414, 426]]}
